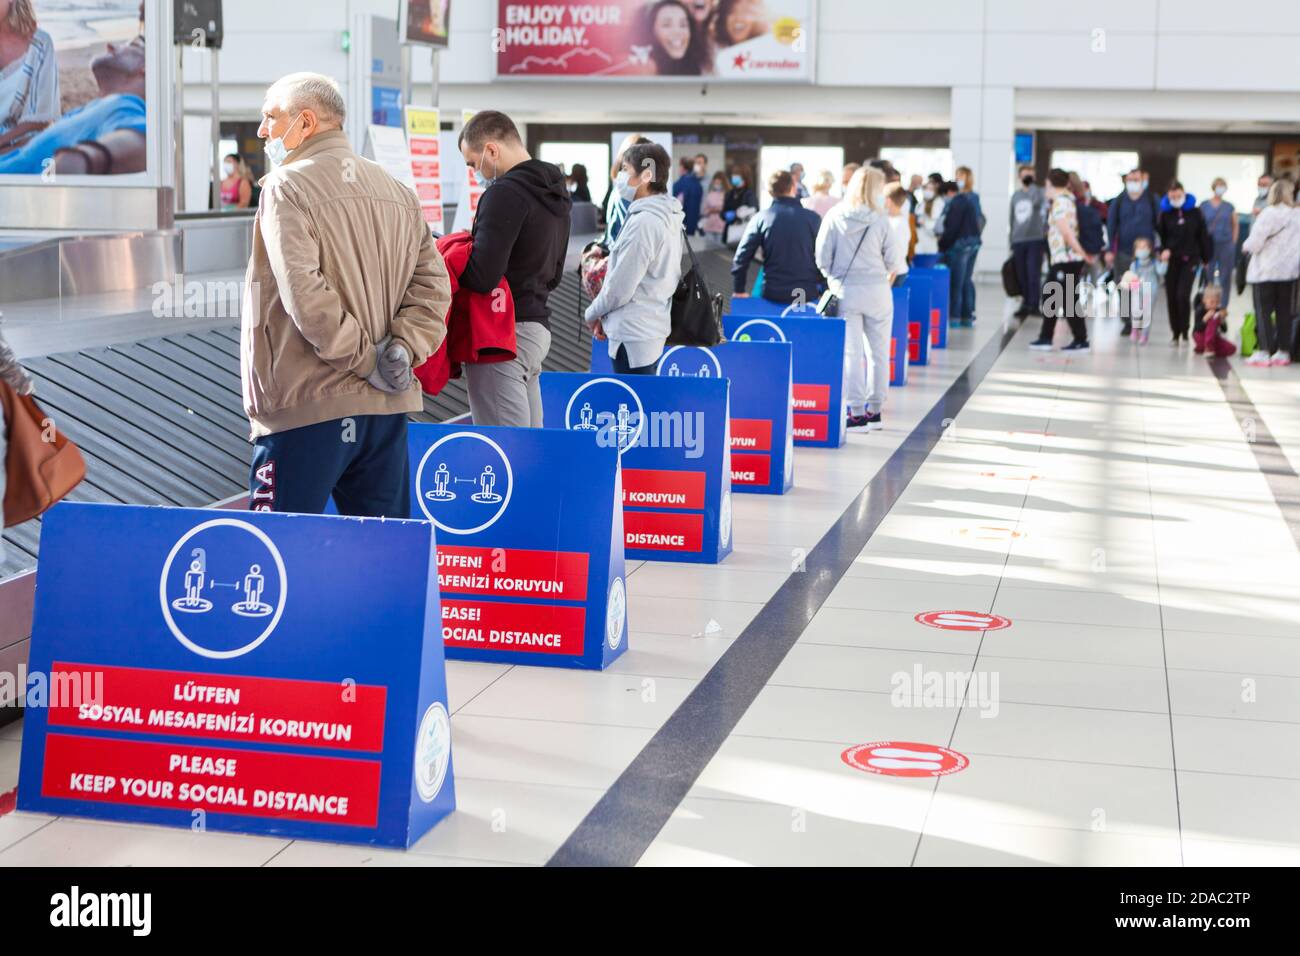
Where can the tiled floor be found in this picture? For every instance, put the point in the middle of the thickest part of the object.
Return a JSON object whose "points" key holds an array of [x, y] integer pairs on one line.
{"points": [[1142, 708]]}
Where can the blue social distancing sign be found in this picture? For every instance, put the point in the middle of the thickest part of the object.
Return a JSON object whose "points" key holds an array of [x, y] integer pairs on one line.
{"points": [[818, 344], [530, 543], [762, 412], [672, 435], [252, 672]]}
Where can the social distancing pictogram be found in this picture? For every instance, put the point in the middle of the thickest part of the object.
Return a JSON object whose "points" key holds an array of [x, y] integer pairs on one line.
{"points": [[963, 620], [898, 758]]}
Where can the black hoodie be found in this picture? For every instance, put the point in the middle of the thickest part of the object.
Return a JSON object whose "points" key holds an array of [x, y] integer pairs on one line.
{"points": [[521, 231]]}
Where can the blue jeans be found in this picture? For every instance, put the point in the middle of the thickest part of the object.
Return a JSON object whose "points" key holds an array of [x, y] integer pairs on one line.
{"points": [[1028, 256], [960, 260]]}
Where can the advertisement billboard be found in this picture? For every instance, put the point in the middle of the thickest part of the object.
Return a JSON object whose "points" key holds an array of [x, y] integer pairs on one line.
{"points": [[719, 40], [82, 101], [426, 22]]}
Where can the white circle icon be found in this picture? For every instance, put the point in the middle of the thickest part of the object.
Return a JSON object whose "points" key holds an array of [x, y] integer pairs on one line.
{"points": [[432, 751], [615, 614], [626, 434], [712, 369], [739, 335], [492, 483], [196, 594]]}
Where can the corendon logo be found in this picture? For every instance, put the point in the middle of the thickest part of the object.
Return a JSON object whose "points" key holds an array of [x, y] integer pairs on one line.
{"points": [[897, 758], [741, 61], [962, 620]]}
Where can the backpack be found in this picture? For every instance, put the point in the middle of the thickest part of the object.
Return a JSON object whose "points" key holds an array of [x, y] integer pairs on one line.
{"points": [[1091, 236], [696, 312]]}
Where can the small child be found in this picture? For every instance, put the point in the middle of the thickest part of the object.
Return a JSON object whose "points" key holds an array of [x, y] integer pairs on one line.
{"points": [[1211, 320], [1142, 284]]}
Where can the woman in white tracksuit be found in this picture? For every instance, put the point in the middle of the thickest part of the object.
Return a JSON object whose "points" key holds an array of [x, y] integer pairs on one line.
{"points": [[633, 309], [860, 255]]}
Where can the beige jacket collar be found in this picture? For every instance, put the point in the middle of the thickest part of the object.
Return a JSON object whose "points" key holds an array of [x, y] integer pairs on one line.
{"points": [[331, 139]]}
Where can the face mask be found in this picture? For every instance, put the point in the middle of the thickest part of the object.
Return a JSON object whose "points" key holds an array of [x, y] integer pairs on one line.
{"points": [[1087, 197], [1263, 192], [961, 182], [928, 194], [716, 188], [229, 167], [700, 170], [485, 181], [626, 191], [1220, 190], [1134, 189], [1142, 254], [1027, 180], [737, 181], [276, 151]]}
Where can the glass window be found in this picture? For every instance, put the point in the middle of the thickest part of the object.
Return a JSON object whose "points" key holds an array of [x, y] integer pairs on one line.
{"points": [[595, 156], [1102, 169], [920, 161], [1197, 172], [814, 159]]}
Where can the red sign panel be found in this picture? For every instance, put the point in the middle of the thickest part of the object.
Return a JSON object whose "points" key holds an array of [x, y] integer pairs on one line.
{"points": [[512, 572], [811, 427], [663, 532], [497, 626], [751, 434], [223, 707], [644, 488], [340, 790], [751, 470], [812, 398]]}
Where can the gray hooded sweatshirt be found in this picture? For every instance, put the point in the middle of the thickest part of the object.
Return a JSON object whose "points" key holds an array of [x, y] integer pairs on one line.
{"points": [[645, 266], [861, 281]]}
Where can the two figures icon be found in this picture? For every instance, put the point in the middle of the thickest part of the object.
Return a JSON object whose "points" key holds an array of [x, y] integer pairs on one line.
{"points": [[254, 585], [487, 482]]}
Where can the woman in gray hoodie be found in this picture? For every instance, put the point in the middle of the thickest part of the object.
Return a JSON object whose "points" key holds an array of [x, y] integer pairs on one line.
{"points": [[860, 255], [633, 310]]}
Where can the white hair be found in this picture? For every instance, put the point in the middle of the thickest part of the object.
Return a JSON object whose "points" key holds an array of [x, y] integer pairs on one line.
{"points": [[309, 91]]}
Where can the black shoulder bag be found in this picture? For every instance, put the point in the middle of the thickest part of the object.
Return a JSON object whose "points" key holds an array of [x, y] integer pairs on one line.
{"points": [[696, 312], [828, 306]]}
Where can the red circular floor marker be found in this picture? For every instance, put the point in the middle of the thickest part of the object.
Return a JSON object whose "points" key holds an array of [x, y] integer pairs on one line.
{"points": [[963, 620], [900, 758]]}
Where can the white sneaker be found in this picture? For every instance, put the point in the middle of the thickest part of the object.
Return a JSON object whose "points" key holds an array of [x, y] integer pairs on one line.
{"points": [[1280, 358], [1258, 358]]}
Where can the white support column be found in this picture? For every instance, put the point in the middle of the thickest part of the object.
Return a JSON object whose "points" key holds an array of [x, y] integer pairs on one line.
{"points": [[983, 133]]}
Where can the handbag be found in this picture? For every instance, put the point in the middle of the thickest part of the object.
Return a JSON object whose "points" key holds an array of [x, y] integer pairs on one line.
{"points": [[41, 464], [828, 306], [696, 311]]}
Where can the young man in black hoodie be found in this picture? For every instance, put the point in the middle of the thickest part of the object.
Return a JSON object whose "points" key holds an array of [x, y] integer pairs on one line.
{"points": [[521, 232]]}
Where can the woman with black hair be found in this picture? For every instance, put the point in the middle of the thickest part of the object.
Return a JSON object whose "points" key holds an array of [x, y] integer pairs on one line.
{"points": [[580, 192], [676, 46], [1186, 246]]}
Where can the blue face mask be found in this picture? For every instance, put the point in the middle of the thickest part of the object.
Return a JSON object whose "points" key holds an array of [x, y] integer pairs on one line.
{"points": [[276, 151], [485, 181], [737, 181]]}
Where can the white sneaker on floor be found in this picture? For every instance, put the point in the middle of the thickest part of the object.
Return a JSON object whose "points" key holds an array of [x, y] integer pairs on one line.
{"points": [[1258, 358], [1280, 358]]}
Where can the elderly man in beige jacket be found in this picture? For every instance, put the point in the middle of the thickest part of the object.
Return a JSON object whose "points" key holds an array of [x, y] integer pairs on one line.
{"points": [[345, 294]]}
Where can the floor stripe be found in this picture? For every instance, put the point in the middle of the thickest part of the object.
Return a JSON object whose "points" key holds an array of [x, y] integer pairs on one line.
{"points": [[1282, 479], [626, 820]]}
